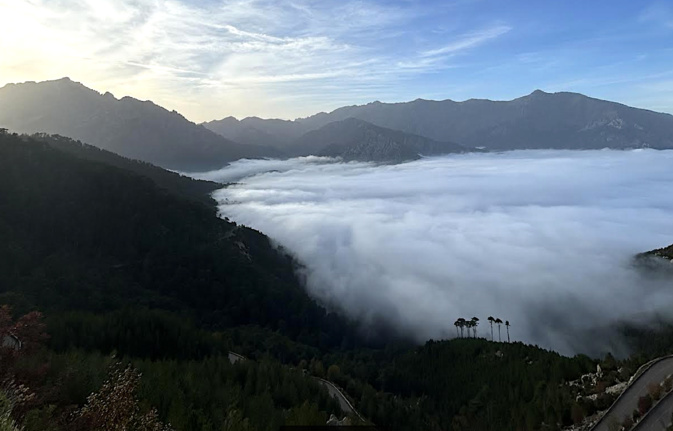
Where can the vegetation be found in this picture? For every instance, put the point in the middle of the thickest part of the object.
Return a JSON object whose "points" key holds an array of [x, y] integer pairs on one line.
{"points": [[82, 236], [145, 291]]}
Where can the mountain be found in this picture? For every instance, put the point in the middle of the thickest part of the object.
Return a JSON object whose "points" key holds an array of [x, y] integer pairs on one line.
{"points": [[179, 185], [129, 127], [256, 131], [127, 270], [77, 234], [538, 120], [354, 139], [666, 252]]}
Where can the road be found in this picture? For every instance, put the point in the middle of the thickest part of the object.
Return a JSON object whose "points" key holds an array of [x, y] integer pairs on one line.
{"points": [[659, 417], [334, 392], [235, 357], [628, 401]]}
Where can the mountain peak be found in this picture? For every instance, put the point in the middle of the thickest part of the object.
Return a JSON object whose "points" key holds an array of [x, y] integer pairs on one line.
{"points": [[65, 81]]}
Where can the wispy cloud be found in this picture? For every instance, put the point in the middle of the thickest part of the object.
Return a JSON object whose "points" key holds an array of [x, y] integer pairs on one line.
{"points": [[469, 40], [290, 58], [237, 51], [660, 13]]}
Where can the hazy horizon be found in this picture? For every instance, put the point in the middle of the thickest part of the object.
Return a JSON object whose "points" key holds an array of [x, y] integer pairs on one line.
{"points": [[541, 238], [210, 60]]}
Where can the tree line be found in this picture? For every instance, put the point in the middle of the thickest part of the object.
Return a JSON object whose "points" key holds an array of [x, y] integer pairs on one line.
{"points": [[470, 325]]}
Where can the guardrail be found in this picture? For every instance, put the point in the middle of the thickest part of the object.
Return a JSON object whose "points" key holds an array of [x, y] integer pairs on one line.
{"points": [[327, 382], [642, 419], [636, 376]]}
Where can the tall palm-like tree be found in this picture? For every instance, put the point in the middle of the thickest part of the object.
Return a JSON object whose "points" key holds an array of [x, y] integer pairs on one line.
{"points": [[475, 323], [507, 325], [461, 325], [499, 322], [491, 320], [456, 324]]}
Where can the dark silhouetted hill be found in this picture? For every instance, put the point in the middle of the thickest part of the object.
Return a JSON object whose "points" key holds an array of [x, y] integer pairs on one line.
{"points": [[129, 127]]}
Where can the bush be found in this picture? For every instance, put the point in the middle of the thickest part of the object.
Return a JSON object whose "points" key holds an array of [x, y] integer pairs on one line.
{"points": [[644, 404], [668, 384], [654, 390]]}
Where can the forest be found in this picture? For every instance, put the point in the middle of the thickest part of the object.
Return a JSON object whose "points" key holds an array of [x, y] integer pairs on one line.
{"points": [[127, 293]]}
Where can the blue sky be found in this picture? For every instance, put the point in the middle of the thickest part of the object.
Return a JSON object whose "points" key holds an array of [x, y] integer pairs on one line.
{"points": [[211, 59]]}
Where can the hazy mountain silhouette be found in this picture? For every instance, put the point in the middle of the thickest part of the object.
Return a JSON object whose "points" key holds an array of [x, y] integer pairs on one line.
{"points": [[538, 120], [257, 131], [353, 139], [129, 127]]}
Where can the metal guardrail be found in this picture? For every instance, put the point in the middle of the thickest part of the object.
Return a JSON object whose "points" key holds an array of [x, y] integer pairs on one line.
{"points": [[327, 382], [642, 419], [636, 376]]}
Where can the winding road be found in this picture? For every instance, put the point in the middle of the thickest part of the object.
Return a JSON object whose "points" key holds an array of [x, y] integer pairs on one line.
{"points": [[659, 418], [628, 400], [334, 392]]}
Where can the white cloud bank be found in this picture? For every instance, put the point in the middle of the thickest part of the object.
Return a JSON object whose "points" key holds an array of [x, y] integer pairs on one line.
{"points": [[543, 239]]}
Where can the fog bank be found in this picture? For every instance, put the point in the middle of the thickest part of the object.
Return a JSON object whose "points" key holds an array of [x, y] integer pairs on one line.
{"points": [[543, 239]]}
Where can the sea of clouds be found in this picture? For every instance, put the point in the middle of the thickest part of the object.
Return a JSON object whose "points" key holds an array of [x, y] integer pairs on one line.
{"points": [[544, 239]]}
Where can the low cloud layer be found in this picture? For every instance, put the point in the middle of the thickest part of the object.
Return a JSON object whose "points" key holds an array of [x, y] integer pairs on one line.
{"points": [[543, 239]]}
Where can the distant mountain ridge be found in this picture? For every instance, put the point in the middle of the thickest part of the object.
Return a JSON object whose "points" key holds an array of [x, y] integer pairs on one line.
{"points": [[353, 139], [126, 126], [538, 120], [374, 132]]}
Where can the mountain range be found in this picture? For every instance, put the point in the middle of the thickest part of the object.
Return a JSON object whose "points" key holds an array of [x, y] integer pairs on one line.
{"points": [[129, 127], [381, 132], [538, 120]]}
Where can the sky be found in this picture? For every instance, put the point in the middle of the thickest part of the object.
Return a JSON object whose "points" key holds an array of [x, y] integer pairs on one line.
{"points": [[544, 239], [210, 59]]}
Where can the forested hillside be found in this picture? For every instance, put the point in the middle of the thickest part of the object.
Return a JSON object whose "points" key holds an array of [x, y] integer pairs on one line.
{"points": [[80, 235], [130, 265], [180, 185]]}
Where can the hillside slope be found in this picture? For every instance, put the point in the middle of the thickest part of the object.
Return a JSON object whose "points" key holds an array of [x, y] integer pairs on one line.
{"points": [[83, 235], [354, 139], [129, 127], [180, 185], [256, 131]]}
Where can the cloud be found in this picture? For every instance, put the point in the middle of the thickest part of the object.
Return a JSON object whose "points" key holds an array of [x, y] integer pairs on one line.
{"points": [[468, 41], [199, 56], [660, 13], [543, 239]]}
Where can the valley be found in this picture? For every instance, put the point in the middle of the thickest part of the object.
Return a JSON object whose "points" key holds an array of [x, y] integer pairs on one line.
{"points": [[153, 280]]}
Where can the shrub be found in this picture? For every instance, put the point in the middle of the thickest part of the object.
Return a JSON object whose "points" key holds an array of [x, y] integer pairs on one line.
{"points": [[654, 390], [644, 404]]}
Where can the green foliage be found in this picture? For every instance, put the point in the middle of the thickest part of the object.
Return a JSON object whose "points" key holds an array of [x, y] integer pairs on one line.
{"points": [[128, 261], [77, 235], [6, 407], [179, 185], [306, 414], [464, 384]]}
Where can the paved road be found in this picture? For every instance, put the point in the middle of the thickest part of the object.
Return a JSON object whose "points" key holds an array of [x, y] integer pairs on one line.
{"points": [[333, 390], [336, 393], [628, 402], [235, 357], [659, 417]]}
